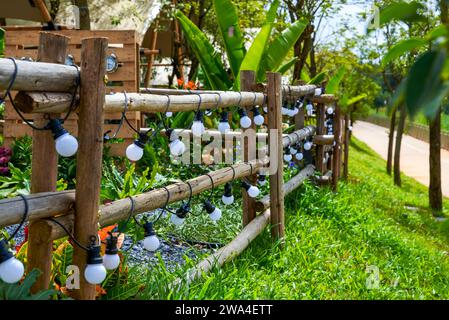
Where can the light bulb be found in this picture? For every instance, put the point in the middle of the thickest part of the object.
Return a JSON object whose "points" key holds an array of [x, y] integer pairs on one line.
{"points": [[11, 269], [295, 111], [213, 211], [95, 273], [309, 107], [245, 121], [285, 111], [66, 145], [308, 145], [224, 126], [177, 147], [259, 120], [177, 221], [208, 112], [134, 152], [330, 110], [111, 261], [350, 128], [287, 157], [293, 150], [262, 180], [318, 91], [151, 241], [198, 125], [265, 108], [169, 114], [299, 156], [252, 191], [227, 200]]}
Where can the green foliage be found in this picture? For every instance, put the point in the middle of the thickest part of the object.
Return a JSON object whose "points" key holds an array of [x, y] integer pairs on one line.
{"points": [[425, 87], [402, 11], [228, 21], [401, 48], [334, 82], [287, 66], [318, 78], [2, 42], [22, 291]]}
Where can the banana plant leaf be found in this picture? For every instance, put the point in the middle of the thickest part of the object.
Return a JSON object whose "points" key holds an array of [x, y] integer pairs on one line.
{"points": [[318, 78], [209, 59], [279, 48], [286, 66], [255, 53], [334, 82], [401, 48], [228, 21]]}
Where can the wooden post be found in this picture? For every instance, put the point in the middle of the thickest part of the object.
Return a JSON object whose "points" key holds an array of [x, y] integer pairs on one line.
{"points": [[44, 169], [320, 128], [274, 95], [346, 143], [300, 118], [150, 57], [337, 147], [89, 158], [248, 80]]}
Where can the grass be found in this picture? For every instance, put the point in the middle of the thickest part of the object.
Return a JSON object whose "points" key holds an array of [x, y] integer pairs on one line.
{"points": [[333, 242]]}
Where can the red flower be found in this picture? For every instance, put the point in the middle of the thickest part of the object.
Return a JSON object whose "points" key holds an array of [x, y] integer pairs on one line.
{"points": [[4, 160], [5, 152], [4, 171]]}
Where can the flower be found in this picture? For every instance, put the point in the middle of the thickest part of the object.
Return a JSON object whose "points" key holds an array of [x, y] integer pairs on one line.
{"points": [[4, 171], [4, 160], [180, 83], [5, 152], [191, 85]]}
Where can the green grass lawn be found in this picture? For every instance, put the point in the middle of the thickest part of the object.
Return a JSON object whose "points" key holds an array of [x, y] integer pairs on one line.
{"points": [[331, 241]]}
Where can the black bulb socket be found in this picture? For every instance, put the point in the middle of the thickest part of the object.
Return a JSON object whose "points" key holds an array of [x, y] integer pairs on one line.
{"points": [[198, 116], [5, 253], [261, 177], [183, 211], [224, 117], [55, 125], [228, 190], [111, 245], [149, 230], [245, 185], [94, 255], [209, 207]]}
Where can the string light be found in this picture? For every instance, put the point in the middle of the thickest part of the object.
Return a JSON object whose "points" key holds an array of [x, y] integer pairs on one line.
{"points": [[287, 155], [245, 121], [330, 110], [308, 145], [198, 128], [285, 109], [299, 156], [179, 216], [293, 150], [111, 259], [224, 126], [309, 108], [252, 191], [258, 118], [11, 269], [228, 197], [151, 241], [262, 180], [177, 147], [213, 211], [318, 91], [66, 144], [95, 271], [169, 114], [134, 151]]}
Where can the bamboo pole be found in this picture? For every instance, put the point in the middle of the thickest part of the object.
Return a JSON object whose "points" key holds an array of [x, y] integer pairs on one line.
{"points": [[150, 56], [324, 139], [90, 153], [37, 102], [44, 169], [292, 184], [336, 161], [37, 76], [276, 180], [248, 80]]}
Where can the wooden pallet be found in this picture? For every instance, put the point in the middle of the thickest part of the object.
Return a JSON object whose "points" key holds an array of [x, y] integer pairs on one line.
{"points": [[123, 43]]}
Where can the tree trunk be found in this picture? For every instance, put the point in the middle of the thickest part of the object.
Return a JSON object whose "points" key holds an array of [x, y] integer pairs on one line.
{"points": [[390, 142], [435, 193], [84, 13], [397, 151]]}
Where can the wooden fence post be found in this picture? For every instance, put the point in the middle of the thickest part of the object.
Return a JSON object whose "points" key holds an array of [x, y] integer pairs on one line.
{"points": [[44, 169], [274, 95], [248, 81], [90, 153], [320, 118], [346, 150], [336, 161]]}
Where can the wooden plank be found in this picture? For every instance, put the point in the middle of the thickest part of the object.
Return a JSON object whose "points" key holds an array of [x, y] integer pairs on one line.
{"points": [[320, 130], [336, 163], [90, 153], [44, 171], [346, 148], [274, 97], [248, 80]]}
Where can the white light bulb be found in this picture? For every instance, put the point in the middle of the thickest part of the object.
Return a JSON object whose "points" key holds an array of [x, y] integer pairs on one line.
{"points": [[151, 243], [177, 147], [227, 200], [198, 128], [169, 114], [177, 221], [309, 107], [215, 215], [66, 145], [245, 122], [318, 91], [95, 273], [262, 182], [208, 112], [265, 109], [308, 145], [285, 111], [350, 128], [259, 120], [293, 151], [223, 127], [111, 261], [134, 152], [253, 191], [299, 156], [330, 110], [295, 111], [11, 270], [287, 157]]}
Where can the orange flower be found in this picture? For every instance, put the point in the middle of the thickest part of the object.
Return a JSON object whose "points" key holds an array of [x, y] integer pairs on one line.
{"points": [[180, 82], [103, 233], [191, 85]]}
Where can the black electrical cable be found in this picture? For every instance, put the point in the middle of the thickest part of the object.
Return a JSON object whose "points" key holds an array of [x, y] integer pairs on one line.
{"points": [[213, 186], [71, 236], [122, 118], [22, 222]]}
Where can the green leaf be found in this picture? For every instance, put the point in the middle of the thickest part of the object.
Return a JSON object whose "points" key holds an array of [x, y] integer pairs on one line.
{"points": [[356, 99], [318, 78], [424, 82], [334, 82], [402, 11], [255, 53], [401, 48], [2, 42], [286, 66], [305, 76], [279, 48], [399, 94], [228, 21], [209, 59], [440, 31]]}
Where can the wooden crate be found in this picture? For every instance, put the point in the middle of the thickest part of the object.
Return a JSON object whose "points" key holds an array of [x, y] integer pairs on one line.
{"points": [[123, 43]]}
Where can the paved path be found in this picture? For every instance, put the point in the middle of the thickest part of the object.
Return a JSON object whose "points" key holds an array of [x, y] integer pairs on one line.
{"points": [[414, 153]]}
